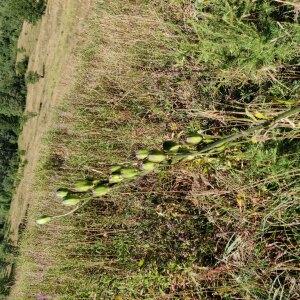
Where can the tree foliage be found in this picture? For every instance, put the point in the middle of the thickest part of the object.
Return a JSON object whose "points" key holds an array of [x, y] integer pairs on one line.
{"points": [[12, 102]]}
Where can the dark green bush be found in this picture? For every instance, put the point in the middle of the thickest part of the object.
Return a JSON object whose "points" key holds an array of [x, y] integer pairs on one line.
{"points": [[12, 101], [29, 10], [32, 77], [242, 40]]}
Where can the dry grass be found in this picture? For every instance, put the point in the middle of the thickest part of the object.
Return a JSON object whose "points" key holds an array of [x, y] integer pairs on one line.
{"points": [[50, 46], [202, 230], [108, 79]]}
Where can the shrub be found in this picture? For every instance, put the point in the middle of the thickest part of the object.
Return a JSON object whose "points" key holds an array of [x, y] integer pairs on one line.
{"points": [[29, 10], [241, 40], [32, 77], [12, 100]]}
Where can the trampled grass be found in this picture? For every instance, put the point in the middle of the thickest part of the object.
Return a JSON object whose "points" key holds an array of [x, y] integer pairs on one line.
{"points": [[221, 227]]}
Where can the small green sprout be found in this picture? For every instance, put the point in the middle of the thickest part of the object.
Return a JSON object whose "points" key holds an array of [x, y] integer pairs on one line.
{"points": [[43, 220], [157, 156], [129, 173], [208, 139], [115, 169], [101, 190], [115, 178], [170, 146], [71, 200], [95, 182], [62, 192], [183, 156], [83, 185], [148, 166], [194, 139], [142, 154]]}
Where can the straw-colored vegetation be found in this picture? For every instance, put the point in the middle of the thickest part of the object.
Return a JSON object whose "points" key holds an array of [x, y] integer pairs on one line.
{"points": [[223, 226], [12, 101]]}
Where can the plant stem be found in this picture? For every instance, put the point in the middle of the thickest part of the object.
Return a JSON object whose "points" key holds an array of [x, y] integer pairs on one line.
{"points": [[73, 210], [209, 147], [245, 133]]}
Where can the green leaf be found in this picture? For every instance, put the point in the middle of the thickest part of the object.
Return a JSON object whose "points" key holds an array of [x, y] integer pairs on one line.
{"points": [[232, 245], [115, 169], [286, 102], [71, 200], [254, 139], [157, 156], [170, 146], [208, 139], [148, 166], [101, 190], [142, 154], [189, 157], [250, 115], [260, 115], [194, 139], [43, 220], [183, 154], [115, 178], [83, 185], [62, 192], [129, 173], [221, 147], [95, 182], [141, 263]]}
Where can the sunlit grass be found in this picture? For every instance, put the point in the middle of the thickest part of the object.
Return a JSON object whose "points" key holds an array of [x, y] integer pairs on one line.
{"points": [[220, 227]]}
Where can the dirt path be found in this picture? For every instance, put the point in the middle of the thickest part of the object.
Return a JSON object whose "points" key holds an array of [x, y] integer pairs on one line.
{"points": [[50, 45]]}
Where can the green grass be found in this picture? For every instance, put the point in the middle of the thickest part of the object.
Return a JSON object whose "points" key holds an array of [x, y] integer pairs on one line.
{"points": [[222, 227]]}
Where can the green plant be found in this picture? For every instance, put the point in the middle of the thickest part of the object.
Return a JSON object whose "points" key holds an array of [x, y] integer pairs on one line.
{"points": [[30, 10], [204, 229], [12, 97], [241, 41], [32, 77], [85, 190]]}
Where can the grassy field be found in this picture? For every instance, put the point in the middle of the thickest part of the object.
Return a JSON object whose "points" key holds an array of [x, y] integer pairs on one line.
{"points": [[49, 45], [223, 226]]}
